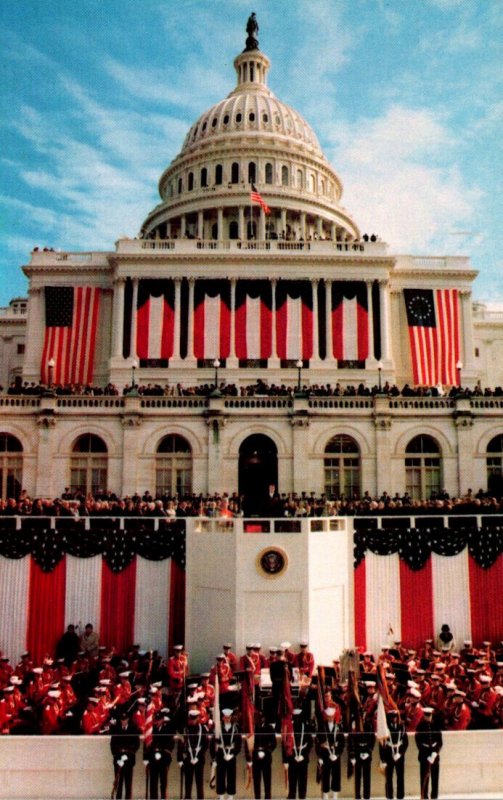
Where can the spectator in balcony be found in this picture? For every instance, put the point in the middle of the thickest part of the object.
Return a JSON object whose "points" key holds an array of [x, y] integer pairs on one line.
{"points": [[89, 641]]}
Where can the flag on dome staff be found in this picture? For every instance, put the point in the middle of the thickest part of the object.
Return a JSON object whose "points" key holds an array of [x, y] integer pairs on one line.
{"points": [[256, 197], [434, 336], [155, 319], [350, 333], [71, 321]]}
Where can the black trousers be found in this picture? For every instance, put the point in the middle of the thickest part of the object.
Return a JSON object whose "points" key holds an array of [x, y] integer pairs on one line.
{"points": [[398, 767], [194, 772], [226, 776], [331, 775], [158, 779], [124, 780], [363, 772], [297, 778], [429, 773], [261, 771]]}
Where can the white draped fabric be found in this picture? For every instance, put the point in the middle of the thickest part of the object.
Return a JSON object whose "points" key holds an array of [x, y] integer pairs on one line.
{"points": [[83, 591], [382, 599], [152, 604], [14, 606], [451, 603]]}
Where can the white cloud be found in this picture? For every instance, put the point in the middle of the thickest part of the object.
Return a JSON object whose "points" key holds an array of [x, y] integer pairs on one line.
{"points": [[401, 181]]}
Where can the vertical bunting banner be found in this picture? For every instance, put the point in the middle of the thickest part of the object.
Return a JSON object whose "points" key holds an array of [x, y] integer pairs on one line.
{"points": [[350, 334], [433, 322], [253, 319], [212, 319], [155, 321], [294, 320], [71, 321]]}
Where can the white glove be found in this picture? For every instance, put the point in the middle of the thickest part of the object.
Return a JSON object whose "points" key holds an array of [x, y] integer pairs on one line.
{"points": [[299, 758], [213, 764], [353, 761], [364, 756], [157, 756], [333, 757], [261, 754], [432, 758], [145, 761], [382, 765], [180, 763], [320, 762], [396, 756], [193, 761], [228, 757]]}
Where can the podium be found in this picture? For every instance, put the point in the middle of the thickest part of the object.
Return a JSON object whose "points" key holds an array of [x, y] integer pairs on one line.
{"points": [[267, 581]]}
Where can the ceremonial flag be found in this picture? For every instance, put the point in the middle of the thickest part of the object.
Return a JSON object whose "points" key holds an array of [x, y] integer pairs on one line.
{"points": [[433, 320], [148, 734], [256, 197], [155, 319], [71, 321], [253, 320], [217, 722], [294, 320], [350, 334], [212, 319]]}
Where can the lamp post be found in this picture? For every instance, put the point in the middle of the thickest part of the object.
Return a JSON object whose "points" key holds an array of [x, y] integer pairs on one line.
{"points": [[459, 367], [134, 365], [379, 372], [50, 369], [216, 391], [299, 366]]}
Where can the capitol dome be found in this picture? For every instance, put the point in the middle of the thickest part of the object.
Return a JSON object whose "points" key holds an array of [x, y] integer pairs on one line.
{"points": [[250, 138]]}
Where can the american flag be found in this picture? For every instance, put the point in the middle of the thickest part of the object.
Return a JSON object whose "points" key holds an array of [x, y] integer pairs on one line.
{"points": [[256, 197], [71, 321], [433, 321]]}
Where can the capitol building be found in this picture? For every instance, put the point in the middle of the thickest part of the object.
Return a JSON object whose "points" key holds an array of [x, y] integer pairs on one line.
{"points": [[250, 272]]}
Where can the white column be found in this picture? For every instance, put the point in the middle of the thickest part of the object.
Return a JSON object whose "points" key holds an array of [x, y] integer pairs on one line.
{"points": [[241, 223], [183, 226], [200, 224], [190, 333], [328, 321], [371, 360], [261, 231], [220, 223], [283, 222], [273, 361], [168, 229], [118, 317], [385, 322], [232, 360], [467, 355], [319, 227], [316, 343], [333, 231], [134, 312], [303, 225], [178, 318]]}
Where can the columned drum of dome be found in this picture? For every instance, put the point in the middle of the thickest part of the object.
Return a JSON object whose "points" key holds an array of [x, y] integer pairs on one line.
{"points": [[250, 137]]}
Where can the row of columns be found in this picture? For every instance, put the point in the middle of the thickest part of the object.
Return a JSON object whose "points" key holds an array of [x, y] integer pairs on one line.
{"points": [[244, 215], [118, 316]]}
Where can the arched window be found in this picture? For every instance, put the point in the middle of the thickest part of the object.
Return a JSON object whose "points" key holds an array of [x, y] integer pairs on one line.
{"points": [[180, 185], [88, 465], [233, 229], [494, 465], [252, 172], [218, 174], [191, 181], [284, 175], [11, 466], [423, 474], [342, 467], [204, 177], [268, 173], [312, 183], [235, 172], [173, 466], [300, 179]]}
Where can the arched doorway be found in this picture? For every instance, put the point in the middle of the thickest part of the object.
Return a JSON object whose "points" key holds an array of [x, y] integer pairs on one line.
{"points": [[258, 469]]}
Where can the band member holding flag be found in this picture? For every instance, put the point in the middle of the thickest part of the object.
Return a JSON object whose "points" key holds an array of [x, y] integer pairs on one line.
{"points": [[124, 743], [392, 752], [157, 750]]}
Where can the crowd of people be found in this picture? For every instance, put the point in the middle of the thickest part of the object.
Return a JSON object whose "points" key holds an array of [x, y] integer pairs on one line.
{"points": [[259, 388], [231, 504], [255, 702]]}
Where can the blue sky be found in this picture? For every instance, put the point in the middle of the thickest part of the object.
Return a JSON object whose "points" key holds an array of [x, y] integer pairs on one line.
{"points": [[405, 96]]}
